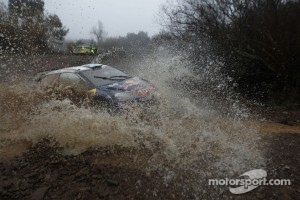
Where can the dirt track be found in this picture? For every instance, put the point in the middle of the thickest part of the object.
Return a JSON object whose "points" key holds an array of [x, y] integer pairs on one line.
{"points": [[41, 171]]}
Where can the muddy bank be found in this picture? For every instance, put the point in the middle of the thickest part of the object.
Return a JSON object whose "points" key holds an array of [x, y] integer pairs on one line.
{"points": [[43, 172]]}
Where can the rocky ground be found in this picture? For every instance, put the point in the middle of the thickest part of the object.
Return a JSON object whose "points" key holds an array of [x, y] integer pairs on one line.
{"points": [[42, 171]]}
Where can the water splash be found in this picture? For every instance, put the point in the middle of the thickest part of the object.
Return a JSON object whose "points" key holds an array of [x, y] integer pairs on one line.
{"points": [[189, 133]]}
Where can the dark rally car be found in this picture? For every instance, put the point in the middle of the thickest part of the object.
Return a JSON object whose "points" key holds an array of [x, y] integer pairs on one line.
{"points": [[100, 84]]}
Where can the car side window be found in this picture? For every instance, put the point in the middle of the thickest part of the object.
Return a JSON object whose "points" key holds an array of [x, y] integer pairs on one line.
{"points": [[69, 79], [49, 81], [74, 81]]}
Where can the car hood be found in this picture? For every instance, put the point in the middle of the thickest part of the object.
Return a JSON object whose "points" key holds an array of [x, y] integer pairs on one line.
{"points": [[139, 88]]}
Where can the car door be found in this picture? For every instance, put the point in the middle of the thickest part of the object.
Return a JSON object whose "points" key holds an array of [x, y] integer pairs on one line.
{"points": [[72, 86], [49, 83]]}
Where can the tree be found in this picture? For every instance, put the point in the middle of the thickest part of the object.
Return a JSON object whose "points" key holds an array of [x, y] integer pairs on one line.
{"points": [[56, 30], [262, 35], [99, 32], [27, 29], [3, 13], [23, 12]]}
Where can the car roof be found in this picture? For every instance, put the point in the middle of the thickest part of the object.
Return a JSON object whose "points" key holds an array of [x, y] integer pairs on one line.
{"points": [[77, 68]]}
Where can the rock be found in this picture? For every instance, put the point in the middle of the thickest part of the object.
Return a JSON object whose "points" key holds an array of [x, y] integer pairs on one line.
{"points": [[24, 185], [286, 167], [39, 193], [6, 184], [112, 182], [101, 192], [31, 175], [51, 176], [285, 122]]}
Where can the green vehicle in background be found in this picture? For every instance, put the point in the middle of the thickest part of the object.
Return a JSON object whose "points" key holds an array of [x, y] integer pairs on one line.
{"points": [[84, 49]]}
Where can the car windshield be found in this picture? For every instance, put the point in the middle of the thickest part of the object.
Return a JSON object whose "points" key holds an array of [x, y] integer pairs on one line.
{"points": [[105, 75]]}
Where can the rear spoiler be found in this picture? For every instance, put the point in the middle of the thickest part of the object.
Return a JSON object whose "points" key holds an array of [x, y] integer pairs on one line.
{"points": [[93, 66]]}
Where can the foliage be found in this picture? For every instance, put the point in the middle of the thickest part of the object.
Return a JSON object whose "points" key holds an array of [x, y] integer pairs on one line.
{"points": [[259, 39], [99, 33], [133, 42], [25, 28]]}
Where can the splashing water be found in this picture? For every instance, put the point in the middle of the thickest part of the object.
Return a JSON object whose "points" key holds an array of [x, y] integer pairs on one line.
{"points": [[190, 134]]}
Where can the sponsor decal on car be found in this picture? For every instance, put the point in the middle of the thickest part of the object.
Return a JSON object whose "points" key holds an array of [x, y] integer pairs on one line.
{"points": [[130, 82], [144, 91]]}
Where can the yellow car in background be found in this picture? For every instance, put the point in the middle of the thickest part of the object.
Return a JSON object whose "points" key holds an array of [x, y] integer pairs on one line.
{"points": [[84, 49]]}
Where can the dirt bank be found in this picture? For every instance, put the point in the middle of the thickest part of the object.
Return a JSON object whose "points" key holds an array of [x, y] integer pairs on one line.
{"points": [[42, 172]]}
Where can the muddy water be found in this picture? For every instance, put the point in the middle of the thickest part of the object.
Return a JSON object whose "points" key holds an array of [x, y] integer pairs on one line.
{"points": [[186, 133]]}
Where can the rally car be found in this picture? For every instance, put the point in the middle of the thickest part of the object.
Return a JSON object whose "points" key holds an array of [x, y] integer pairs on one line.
{"points": [[84, 49], [99, 84]]}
